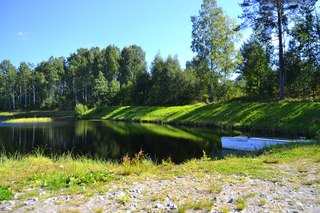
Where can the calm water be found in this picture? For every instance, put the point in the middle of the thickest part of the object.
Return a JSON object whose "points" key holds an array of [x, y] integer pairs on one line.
{"points": [[113, 140]]}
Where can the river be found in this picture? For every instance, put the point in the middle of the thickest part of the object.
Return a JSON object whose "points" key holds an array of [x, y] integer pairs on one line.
{"points": [[113, 140]]}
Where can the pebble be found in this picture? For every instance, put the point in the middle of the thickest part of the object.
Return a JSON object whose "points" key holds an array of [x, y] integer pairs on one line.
{"points": [[230, 200], [30, 201], [158, 206]]}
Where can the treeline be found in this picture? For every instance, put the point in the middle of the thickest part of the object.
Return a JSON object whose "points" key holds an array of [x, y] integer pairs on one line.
{"points": [[283, 55], [97, 77], [260, 70]]}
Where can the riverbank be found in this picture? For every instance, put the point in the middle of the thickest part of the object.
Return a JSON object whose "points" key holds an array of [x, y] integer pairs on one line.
{"points": [[292, 117], [58, 114], [285, 178]]}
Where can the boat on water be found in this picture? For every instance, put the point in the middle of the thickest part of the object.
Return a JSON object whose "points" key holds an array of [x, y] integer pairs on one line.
{"points": [[245, 143]]}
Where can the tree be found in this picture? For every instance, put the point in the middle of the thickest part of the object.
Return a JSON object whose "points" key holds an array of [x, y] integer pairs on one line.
{"points": [[255, 70], [10, 80], [111, 66], [25, 77], [199, 68], [273, 17], [165, 85], [213, 33], [132, 62], [100, 89]]}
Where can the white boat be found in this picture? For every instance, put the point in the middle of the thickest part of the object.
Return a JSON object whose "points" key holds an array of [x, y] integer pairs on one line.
{"points": [[245, 143]]}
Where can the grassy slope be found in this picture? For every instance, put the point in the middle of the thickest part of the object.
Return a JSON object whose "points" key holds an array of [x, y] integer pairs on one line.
{"points": [[284, 116]]}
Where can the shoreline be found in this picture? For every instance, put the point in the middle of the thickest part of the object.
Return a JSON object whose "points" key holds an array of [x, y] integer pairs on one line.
{"points": [[286, 178]]}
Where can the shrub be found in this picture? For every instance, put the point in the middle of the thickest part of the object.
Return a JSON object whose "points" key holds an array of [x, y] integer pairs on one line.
{"points": [[49, 103], [81, 109], [5, 194]]}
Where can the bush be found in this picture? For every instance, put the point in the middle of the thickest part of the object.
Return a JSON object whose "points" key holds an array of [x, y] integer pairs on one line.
{"points": [[48, 103], [5, 194], [81, 109]]}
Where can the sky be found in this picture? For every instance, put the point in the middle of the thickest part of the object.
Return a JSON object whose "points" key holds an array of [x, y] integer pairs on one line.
{"points": [[34, 30]]}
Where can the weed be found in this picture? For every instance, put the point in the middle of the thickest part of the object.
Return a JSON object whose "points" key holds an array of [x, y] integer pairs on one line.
{"points": [[123, 199], [5, 194], [158, 197], [302, 168], [278, 198], [271, 160], [72, 211], [214, 187], [98, 209], [33, 193], [240, 204], [309, 182], [196, 205], [225, 209], [262, 202]]}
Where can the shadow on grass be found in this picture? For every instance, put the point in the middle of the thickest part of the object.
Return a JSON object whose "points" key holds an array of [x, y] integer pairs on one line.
{"points": [[288, 117]]}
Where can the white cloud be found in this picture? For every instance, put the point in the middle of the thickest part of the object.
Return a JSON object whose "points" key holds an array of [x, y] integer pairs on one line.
{"points": [[23, 35]]}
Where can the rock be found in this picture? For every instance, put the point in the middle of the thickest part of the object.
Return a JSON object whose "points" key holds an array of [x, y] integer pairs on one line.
{"points": [[121, 194], [133, 209], [300, 206], [30, 201], [230, 201], [158, 206], [262, 195], [6, 208], [100, 197], [172, 206]]}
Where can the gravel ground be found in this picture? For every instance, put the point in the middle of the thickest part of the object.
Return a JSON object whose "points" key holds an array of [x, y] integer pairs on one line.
{"points": [[296, 189]]}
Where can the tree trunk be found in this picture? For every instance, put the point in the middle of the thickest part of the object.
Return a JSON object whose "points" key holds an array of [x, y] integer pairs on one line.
{"points": [[25, 98], [211, 87], [281, 62], [86, 94], [13, 101], [74, 91], [34, 95], [318, 25]]}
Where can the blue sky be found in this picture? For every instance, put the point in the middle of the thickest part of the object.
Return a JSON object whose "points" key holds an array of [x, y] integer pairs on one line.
{"points": [[34, 30]]}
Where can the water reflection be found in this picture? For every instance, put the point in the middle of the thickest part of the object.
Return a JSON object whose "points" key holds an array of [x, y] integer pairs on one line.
{"points": [[112, 140]]}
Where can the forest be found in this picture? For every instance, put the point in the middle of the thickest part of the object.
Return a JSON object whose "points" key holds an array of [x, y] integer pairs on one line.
{"points": [[280, 60]]}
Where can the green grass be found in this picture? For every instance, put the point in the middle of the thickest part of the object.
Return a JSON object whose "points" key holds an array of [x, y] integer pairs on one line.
{"points": [[5, 194], [37, 113], [29, 120], [301, 117], [18, 172]]}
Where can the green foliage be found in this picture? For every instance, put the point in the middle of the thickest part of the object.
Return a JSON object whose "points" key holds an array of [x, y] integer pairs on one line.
{"points": [[48, 103], [71, 180], [214, 38], [255, 71], [80, 109], [5, 194]]}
